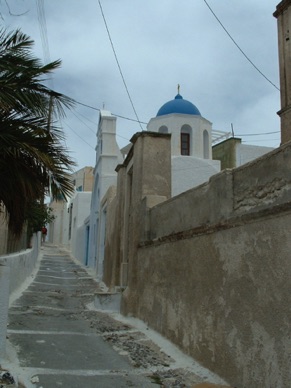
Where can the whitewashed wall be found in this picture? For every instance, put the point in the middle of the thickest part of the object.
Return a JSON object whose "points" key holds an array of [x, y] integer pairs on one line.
{"points": [[15, 268]]}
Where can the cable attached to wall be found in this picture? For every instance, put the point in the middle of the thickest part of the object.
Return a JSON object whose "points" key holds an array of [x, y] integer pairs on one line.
{"points": [[243, 53]]}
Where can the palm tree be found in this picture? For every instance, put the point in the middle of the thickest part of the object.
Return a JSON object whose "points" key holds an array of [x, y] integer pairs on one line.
{"points": [[33, 159]]}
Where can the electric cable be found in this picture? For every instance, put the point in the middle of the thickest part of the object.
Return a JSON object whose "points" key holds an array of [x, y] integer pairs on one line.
{"points": [[118, 64], [79, 136], [114, 114], [258, 134], [243, 53]]}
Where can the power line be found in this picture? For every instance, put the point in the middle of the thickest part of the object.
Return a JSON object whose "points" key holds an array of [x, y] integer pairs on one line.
{"points": [[119, 67], [43, 30], [243, 53], [82, 121], [114, 114], [79, 136], [258, 134]]}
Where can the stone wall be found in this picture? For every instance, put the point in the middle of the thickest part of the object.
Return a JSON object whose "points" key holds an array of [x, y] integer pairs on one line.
{"points": [[212, 270]]}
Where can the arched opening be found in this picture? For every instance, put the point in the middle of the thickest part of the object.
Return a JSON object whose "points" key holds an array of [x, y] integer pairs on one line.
{"points": [[205, 144], [163, 129], [186, 140]]}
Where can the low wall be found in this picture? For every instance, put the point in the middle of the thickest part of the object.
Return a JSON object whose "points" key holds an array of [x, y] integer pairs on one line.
{"points": [[15, 268], [22, 263]]}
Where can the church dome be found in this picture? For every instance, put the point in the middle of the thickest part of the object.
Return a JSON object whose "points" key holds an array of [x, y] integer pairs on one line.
{"points": [[178, 105]]}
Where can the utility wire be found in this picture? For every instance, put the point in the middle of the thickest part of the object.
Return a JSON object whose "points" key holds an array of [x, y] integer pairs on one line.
{"points": [[114, 114], [127, 118], [82, 121], [243, 53], [43, 30], [80, 137], [118, 64], [258, 134]]}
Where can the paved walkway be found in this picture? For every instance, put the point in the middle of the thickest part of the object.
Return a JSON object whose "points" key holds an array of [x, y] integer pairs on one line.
{"points": [[62, 343]]}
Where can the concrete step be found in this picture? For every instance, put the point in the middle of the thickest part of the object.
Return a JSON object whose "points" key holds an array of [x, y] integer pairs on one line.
{"points": [[107, 301]]}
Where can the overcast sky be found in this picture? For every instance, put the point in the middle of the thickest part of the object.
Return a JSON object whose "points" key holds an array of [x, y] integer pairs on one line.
{"points": [[159, 44]]}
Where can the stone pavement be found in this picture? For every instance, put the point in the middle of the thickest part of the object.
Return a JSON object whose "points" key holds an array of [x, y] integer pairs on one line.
{"points": [[60, 342]]}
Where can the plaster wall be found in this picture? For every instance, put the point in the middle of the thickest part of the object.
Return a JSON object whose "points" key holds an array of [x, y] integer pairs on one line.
{"points": [[246, 153], [21, 263], [147, 166], [81, 210], [83, 179], [211, 271], [58, 229], [14, 270], [263, 183], [208, 203], [79, 244], [224, 298], [189, 171], [226, 152]]}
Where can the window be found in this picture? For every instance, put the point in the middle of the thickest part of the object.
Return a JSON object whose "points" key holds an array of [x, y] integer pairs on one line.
{"points": [[205, 144], [163, 129], [185, 144]]}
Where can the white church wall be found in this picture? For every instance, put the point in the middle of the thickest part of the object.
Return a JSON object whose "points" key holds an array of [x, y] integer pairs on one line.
{"points": [[246, 153], [174, 123], [189, 172]]}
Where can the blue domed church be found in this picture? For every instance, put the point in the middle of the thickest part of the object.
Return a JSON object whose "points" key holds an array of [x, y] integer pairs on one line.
{"points": [[191, 143]]}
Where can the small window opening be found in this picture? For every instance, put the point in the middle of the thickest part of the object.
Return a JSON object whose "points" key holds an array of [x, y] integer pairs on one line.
{"points": [[185, 144]]}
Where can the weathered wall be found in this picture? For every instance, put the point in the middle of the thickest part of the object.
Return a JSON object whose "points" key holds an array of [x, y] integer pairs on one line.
{"points": [[111, 274], [145, 165], [223, 296], [226, 152], [213, 272]]}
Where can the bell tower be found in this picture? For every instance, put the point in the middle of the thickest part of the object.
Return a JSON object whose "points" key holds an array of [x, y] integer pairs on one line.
{"points": [[283, 16]]}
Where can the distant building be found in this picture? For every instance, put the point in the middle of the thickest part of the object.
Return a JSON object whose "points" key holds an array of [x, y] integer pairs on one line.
{"points": [[70, 214], [83, 179], [232, 153]]}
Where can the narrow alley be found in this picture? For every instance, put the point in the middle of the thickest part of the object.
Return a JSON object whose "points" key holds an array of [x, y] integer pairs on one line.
{"points": [[61, 342]]}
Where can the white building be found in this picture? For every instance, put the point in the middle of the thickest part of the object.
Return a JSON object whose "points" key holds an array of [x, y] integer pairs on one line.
{"points": [[66, 229], [108, 156], [191, 143]]}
